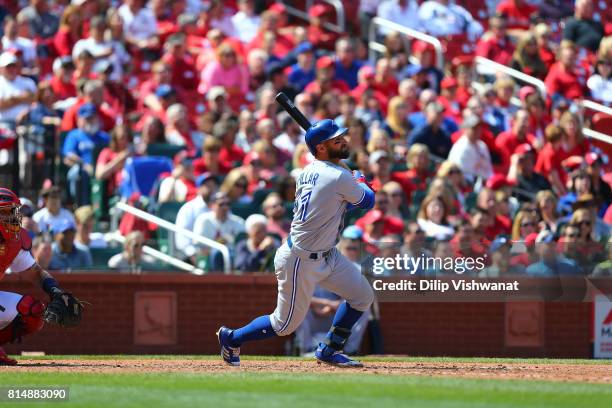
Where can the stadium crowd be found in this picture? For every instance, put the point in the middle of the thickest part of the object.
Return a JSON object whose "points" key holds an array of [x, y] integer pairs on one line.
{"points": [[169, 106]]}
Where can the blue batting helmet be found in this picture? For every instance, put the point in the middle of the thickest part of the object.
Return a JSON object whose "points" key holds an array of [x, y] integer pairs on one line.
{"points": [[321, 131]]}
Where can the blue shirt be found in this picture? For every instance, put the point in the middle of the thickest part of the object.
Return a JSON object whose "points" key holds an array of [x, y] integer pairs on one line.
{"points": [[83, 144], [417, 119], [438, 142], [74, 260], [299, 78], [348, 75], [561, 266]]}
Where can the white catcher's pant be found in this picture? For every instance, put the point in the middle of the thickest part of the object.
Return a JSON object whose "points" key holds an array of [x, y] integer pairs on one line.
{"points": [[8, 307], [297, 277]]}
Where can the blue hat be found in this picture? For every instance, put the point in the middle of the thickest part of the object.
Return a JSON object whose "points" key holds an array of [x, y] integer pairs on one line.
{"points": [[204, 177], [499, 242], [63, 226], [413, 70], [303, 47], [352, 232], [164, 91], [322, 131], [87, 110]]}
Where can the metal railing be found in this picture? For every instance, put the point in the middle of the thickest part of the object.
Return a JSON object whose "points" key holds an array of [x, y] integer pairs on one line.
{"points": [[375, 46], [160, 222], [593, 134], [592, 105], [116, 236], [492, 67], [339, 27]]}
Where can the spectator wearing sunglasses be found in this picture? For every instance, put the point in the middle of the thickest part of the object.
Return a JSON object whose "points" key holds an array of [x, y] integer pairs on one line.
{"points": [[525, 223], [132, 260], [572, 247]]}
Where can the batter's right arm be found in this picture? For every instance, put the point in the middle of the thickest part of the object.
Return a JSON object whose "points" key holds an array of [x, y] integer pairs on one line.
{"points": [[357, 194]]}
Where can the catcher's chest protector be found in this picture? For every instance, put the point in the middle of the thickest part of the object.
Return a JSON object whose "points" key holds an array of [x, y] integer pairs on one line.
{"points": [[12, 240]]}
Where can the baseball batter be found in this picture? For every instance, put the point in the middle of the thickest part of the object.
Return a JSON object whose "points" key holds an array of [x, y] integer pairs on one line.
{"points": [[21, 315], [325, 190]]}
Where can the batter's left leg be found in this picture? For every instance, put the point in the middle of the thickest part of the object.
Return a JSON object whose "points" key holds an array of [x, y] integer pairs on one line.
{"points": [[347, 282]]}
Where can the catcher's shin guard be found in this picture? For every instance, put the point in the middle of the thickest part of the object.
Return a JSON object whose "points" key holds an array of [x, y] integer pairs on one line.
{"points": [[29, 320]]}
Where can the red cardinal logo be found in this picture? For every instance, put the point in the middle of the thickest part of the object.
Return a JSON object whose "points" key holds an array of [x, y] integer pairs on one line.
{"points": [[608, 319]]}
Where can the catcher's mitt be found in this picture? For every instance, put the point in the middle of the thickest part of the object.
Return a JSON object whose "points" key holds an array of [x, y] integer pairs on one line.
{"points": [[64, 310]]}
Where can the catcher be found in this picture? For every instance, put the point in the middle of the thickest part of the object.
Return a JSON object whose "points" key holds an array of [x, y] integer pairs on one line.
{"points": [[21, 315]]}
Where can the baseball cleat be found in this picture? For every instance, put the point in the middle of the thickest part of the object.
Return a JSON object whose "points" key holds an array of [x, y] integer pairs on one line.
{"points": [[231, 355], [5, 360], [336, 358]]}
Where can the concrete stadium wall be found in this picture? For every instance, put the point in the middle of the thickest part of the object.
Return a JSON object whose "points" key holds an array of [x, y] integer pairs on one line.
{"points": [[179, 314]]}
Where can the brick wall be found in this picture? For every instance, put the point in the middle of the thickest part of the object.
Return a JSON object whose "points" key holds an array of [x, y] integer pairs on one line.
{"points": [[204, 303]]}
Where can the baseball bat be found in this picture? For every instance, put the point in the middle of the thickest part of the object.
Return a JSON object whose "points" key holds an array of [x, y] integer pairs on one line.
{"points": [[283, 100]]}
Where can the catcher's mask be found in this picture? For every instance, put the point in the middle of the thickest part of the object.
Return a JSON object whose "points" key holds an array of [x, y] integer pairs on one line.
{"points": [[9, 208]]}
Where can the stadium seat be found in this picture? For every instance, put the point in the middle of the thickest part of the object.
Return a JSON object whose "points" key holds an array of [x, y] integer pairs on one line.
{"points": [[141, 173], [166, 211], [164, 150], [100, 256]]}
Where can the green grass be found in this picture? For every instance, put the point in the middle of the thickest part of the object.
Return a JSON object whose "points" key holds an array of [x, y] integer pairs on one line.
{"points": [[488, 360], [239, 388]]}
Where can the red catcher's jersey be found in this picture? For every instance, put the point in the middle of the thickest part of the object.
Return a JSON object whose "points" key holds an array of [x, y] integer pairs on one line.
{"points": [[12, 240]]}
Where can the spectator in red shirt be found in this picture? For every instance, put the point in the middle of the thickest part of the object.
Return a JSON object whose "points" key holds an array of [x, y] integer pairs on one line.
{"points": [[61, 81], [318, 35], [448, 99], [84, 66], [465, 75], [543, 34], [365, 79], [496, 44], [518, 13], [179, 131], [487, 200], [69, 32], [384, 80], [230, 154], [574, 144], [180, 62], [161, 74], [93, 92], [252, 170], [527, 58], [325, 81], [117, 98], [563, 79], [269, 22], [538, 117], [380, 166], [272, 159], [209, 162], [419, 174], [508, 141], [549, 159], [111, 159]]}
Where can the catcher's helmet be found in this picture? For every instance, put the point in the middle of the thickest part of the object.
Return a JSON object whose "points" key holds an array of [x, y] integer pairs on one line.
{"points": [[9, 200], [321, 131]]}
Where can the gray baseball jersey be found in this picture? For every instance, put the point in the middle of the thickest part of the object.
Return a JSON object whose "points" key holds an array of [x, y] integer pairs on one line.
{"points": [[323, 191]]}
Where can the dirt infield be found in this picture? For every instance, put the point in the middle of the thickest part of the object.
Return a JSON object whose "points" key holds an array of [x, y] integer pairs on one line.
{"points": [[592, 373]]}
